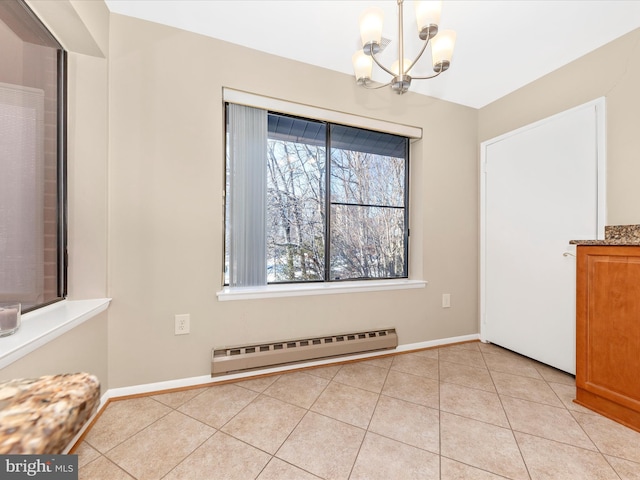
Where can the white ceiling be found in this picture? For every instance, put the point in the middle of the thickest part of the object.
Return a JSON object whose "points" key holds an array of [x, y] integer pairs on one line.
{"points": [[501, 45]]}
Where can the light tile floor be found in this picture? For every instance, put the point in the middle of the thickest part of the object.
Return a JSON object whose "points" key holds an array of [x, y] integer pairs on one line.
{"points": [[470, 411]]}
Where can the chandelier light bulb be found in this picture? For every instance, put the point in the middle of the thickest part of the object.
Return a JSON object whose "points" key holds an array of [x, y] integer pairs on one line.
{"points": [[442, 50], [362, 66], [428, 18], [371, 27], [395, 67]]}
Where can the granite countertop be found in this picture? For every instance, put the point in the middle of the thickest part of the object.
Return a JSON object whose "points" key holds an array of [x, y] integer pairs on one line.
{"points": [[615, 235], [42, 415]]}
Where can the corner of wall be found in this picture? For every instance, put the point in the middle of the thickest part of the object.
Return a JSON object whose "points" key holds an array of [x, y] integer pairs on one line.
{"points": [[80, 26]]}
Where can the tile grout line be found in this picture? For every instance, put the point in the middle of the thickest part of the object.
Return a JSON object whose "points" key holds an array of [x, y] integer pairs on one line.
{"points": [[175, 409], [366, 430], [507, 417], [135, 433], [263, 394], [602, 455], [274, 455], [118, 466], [440, 383]]}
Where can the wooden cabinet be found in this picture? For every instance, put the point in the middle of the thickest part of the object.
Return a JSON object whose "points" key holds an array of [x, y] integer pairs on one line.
{"points": [[608, 332]]}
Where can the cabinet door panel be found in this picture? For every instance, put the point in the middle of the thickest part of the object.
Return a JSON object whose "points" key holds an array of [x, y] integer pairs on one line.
{"points": [[608, 331], [614, 324]]}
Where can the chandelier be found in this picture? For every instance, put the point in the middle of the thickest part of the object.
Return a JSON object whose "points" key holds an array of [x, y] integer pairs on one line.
{"points": [[428, 17]]}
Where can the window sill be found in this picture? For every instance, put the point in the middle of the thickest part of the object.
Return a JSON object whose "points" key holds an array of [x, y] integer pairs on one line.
{"points": [[45, 324], [291, 290]]}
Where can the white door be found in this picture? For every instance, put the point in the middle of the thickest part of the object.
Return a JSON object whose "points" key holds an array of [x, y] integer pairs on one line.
{"points": [[541, 186]]}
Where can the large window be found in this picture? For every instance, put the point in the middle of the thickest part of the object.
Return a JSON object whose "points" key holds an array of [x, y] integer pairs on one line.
{"points": [[32, 159], [312, 201]]}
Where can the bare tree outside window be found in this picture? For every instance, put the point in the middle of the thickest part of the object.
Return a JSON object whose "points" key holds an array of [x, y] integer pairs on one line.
{"points": [[343, 219], [367, 215], [295, 212]]}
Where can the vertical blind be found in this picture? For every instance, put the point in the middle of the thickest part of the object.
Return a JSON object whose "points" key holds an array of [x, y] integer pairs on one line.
{"points": [[246, 220]]}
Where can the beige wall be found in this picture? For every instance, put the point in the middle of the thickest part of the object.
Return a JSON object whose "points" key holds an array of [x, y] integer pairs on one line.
{"points": [[613, 72], [87, 176], [82, 349], [166, 180], [85, 347]]}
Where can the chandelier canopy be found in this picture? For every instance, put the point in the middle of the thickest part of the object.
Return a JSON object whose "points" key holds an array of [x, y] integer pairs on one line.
{"points": [[428, 18]]}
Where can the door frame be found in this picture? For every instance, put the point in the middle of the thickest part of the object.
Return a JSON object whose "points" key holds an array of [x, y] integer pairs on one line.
{"points": [[599, 105]]}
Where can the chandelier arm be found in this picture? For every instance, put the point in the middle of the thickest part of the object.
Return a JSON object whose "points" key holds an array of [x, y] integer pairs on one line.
{"points": [[369, 84], [424, 47], [382, 66], [427, 77]]}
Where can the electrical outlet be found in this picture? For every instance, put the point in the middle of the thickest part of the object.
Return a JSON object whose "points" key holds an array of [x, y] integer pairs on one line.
{"points": [[446, 300], [183, 324]]}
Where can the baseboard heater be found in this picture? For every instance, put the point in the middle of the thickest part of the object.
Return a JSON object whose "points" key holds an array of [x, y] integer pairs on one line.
{"points": [[250, 357]]}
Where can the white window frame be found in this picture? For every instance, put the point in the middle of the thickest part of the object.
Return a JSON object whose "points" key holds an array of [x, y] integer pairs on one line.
{"points": [[320, 288]]}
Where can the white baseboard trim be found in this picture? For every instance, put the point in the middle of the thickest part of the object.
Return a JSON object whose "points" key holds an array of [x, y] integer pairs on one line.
{"points": [[115, 393], [103, 402], [437, 343], [159, 387]]}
